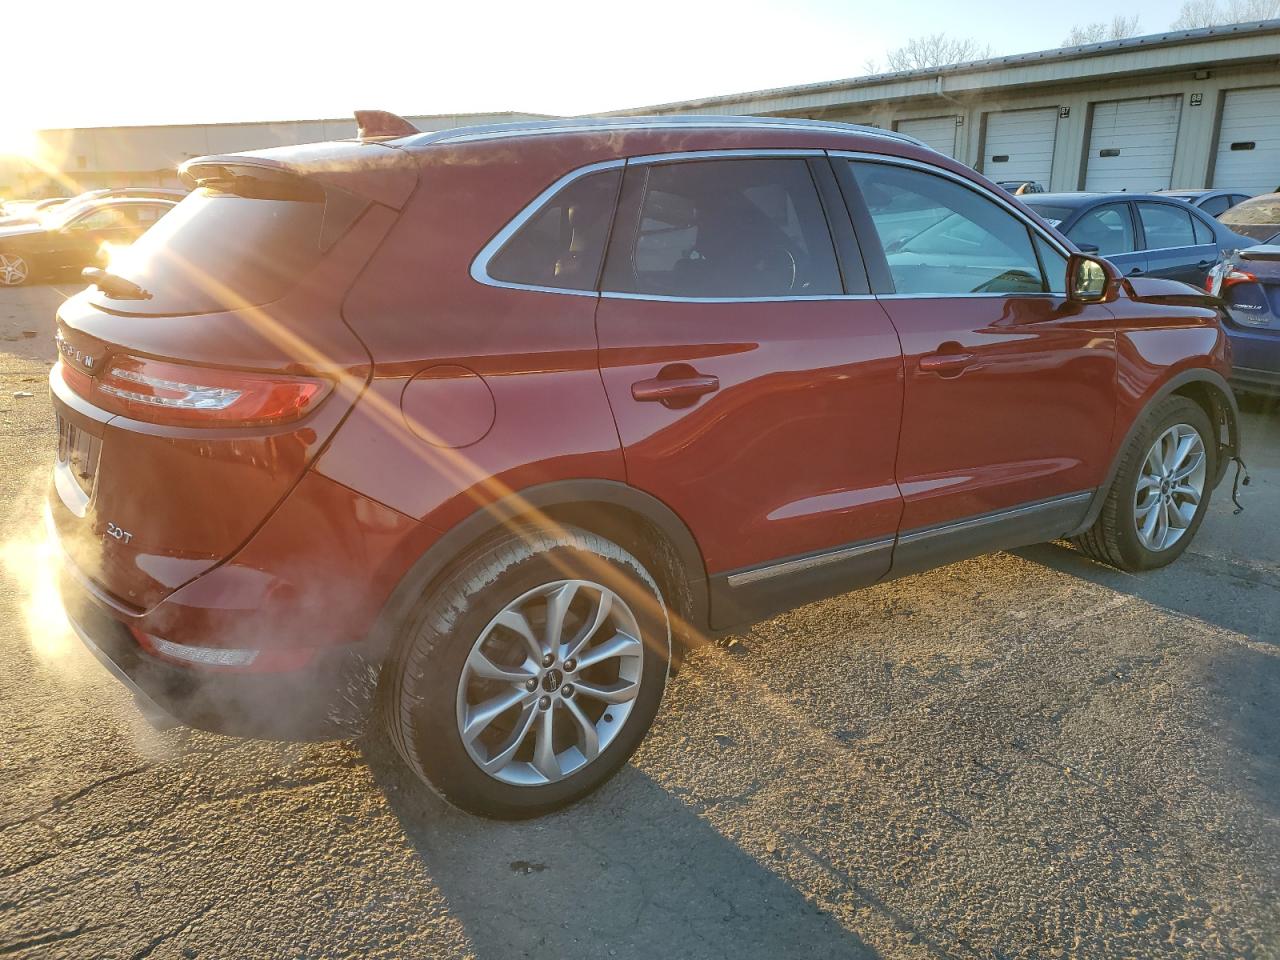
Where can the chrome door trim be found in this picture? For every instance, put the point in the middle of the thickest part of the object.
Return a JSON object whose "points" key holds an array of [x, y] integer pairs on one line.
{"points": [[974, 523], [802, 564]]}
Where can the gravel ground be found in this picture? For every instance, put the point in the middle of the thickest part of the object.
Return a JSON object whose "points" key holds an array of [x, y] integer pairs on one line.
{"points": [[1023, 755]]}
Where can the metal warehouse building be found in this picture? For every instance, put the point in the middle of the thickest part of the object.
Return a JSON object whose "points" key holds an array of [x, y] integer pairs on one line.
{"points": [[1194, 108]]}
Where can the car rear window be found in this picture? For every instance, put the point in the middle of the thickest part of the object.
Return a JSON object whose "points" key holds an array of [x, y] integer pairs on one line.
{"points": [[1052, 213], [218, 251]]}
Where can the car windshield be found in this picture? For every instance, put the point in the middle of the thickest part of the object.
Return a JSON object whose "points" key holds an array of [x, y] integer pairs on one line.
{"points": [[1259, 210]]}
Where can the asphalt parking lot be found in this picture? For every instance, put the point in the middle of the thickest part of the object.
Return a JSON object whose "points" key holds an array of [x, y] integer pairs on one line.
{"points": [[1023, 755]]}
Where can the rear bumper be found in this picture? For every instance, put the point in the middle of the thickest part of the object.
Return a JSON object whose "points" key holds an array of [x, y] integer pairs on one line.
{"points": [[332, 696]]}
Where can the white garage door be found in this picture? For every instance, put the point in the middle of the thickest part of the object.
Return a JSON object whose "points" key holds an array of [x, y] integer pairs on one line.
{"points": [[1131, 144], [937, 132], [1019, 145], [1248, 156]]}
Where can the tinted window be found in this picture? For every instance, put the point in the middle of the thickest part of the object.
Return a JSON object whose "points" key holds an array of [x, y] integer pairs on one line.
{"points": [[940, 237], [1216, 206], [1166, 226], [562, 245], [1054, 264], [104, 218], [1109, 228], [726, 228], [1051, 212]]}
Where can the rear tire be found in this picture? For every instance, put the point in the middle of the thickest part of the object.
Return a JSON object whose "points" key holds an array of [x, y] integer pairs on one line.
{"points": [[469, 649], [1157, 500]]}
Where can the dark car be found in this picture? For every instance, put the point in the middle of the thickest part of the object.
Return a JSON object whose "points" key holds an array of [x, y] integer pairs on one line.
{"points": [[401, 423], [74, 236], [1258, 219], [1213, 202], [1142, 234], [1249, 284], [1020, 187]]}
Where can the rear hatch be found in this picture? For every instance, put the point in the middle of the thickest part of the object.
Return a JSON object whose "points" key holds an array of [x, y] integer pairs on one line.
{"points": [[1249, 284], [201, 376]]}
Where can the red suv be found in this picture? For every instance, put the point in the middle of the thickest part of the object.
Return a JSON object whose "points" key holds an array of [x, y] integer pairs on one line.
{"points": [[482, 426]]}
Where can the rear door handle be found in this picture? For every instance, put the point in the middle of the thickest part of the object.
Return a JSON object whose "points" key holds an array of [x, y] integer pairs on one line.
{"points": [[1135, 271], [1204, 263], [679, 390]]}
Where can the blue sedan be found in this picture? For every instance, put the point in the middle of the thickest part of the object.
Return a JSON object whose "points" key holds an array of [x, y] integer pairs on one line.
{"points": [[1142, 234]]}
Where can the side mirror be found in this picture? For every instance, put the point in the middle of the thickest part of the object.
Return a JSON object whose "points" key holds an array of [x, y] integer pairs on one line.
{"points": [[1091, 279]]}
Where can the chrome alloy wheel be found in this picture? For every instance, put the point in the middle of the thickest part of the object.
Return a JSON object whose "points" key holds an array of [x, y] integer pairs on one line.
{"points": [[1170, 486], [550, 682], [13, 269]]}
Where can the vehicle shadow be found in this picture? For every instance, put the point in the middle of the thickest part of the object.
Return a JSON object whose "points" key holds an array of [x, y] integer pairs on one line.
{"points": [[628, 872]]}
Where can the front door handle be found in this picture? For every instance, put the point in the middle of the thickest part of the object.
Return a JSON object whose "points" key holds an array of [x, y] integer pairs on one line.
{"points": [[948, 363], [676, 385]]}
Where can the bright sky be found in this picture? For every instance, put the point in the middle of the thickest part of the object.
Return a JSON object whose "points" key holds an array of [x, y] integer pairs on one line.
{"points": [[160, 61]]}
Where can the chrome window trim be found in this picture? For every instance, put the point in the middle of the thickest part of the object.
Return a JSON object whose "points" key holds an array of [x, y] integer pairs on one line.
{"points": [[1041, 294], [480, 265], [977, 188], [800, 564]]}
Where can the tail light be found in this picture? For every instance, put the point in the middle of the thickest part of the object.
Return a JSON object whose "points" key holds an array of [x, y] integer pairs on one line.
{"points": [[1224, 276], [157, 391]]}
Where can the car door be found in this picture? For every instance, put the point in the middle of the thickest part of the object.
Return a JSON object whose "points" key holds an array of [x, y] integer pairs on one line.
{"points": [[1109, 230], [87, 239], [1172, 247], [1010, 390], [755, 383]]}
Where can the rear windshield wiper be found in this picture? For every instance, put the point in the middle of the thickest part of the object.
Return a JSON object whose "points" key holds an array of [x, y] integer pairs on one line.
{"points": [[117, 288]]}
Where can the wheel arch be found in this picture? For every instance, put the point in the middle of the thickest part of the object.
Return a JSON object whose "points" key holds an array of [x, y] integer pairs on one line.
{"points": [[633, 519], [1207, 389]]}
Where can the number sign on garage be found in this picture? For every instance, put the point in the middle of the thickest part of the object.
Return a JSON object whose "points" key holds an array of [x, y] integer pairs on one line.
{"points": [[1018, 144], [1248, 154], [937, 132], [1131, 144]]}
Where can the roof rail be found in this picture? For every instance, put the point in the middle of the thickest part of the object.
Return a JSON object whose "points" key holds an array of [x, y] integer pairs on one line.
{"points": [[533, 128]]}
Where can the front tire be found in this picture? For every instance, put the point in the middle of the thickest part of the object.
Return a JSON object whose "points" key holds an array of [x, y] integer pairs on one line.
{"points": [[529, 675], [1160, 493]]}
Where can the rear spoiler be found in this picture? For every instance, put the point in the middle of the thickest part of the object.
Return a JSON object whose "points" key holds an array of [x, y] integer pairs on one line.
{"points": [[1263, 251], [372, 171]]}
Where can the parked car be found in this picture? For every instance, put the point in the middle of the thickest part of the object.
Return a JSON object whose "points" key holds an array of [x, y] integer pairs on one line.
{"points": [[1142, 234], [1249, 284], [1213, 202], [1258, 219], [668, 376], [1020, 187], [28, 211], [73, 237]]}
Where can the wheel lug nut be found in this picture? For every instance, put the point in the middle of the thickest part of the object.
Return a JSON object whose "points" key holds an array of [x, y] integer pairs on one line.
{"points": [[567, 690], [544, 703], [531, 683], [548, 659], [571, 665]]}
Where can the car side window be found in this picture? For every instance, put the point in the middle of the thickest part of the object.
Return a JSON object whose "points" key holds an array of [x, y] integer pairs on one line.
{"points": [[751, 227], [1202, 230], [1216, 206], [1166, 226], [562, 245], [104, 218], [147, 214], [1109, 228], [1054, 264], [940, 237]]}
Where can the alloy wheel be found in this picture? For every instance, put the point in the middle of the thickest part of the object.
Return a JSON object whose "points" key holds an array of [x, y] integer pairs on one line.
{"points": [[550, 682], [1170, 487], [13, 269]]}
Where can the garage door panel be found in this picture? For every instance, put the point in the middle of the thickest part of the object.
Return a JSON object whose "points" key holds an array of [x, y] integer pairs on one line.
{"points": [[1249, 117], [1131, 144], [1018, 144], [937, 132]]}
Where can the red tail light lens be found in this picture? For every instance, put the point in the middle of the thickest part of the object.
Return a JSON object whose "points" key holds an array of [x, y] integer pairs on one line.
{"points": [[1223, 278], [176, 393]]}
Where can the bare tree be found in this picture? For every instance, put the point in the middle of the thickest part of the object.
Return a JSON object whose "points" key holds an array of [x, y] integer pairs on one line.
{"points": [[1120, 28], [1208, 13], [923, 53]]}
